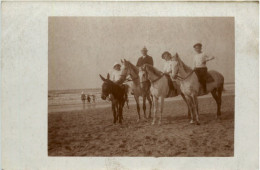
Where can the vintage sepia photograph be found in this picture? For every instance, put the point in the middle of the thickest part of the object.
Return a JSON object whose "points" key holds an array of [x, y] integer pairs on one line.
{"points": [[122, 85], [141, 86]]}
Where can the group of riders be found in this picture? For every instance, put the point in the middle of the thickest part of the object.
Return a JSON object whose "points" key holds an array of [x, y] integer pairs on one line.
{"points": [[199, 66]]}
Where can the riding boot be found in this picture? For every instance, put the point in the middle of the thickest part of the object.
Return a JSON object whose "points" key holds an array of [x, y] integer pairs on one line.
{"points": [[204, 87]]}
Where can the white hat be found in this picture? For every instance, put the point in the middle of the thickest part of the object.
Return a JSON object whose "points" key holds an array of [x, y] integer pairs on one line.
{"points": [[116, 63]]}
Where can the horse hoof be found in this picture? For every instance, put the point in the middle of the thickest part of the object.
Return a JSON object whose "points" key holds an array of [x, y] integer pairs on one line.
{"points": [[191, 122], [197, 123]]}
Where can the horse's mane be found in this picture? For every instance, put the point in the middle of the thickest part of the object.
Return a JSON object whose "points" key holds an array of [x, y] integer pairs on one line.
{"points": [[153, 69], [134, 67], [184, 66]]}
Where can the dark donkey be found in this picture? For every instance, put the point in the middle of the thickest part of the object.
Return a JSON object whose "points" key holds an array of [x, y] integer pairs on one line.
{"points": [[118, 97]]}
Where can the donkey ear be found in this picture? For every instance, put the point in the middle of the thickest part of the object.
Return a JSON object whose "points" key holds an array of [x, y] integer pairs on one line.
{"points": [[122, 61], [108, 76], [102, 78], [177, 55]]}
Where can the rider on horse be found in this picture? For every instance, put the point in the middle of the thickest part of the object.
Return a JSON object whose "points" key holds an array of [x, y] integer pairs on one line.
{"points": [[144, 59], [167, 70], [200, 67]]}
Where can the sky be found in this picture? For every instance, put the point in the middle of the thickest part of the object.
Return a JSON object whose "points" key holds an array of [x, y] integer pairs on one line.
{"points": [[81, 48]]}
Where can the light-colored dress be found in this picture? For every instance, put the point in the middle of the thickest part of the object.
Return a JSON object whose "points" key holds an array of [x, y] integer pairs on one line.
{"points": [[116, 75], [168, 66]]}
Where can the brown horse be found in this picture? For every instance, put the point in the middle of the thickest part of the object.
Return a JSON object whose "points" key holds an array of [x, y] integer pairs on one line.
{"points": [[118, 97], [130, 69]]}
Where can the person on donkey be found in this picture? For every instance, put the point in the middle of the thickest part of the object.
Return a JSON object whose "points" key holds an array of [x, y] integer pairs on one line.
{"points": [[116, 76]]}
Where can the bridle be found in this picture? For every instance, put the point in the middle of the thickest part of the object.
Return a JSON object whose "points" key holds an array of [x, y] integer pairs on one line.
{"points": [[181, 78], [131, 75], [152, 81]]}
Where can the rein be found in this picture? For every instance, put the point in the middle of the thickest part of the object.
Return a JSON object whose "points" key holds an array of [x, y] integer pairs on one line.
{"points": [[132, 79], [181, 78], [153, 81]]}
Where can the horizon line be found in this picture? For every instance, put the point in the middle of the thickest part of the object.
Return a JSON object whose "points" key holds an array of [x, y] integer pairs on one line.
{"points": [[95, 88]]}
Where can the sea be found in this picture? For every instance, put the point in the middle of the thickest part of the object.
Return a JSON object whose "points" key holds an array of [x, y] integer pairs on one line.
{"points": [[70, 100]]}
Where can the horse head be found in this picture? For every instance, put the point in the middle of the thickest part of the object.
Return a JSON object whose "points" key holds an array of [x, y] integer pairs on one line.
{"points": [[125, 68], [143, 75], [106, 86], [179, 67], [129, 69]]}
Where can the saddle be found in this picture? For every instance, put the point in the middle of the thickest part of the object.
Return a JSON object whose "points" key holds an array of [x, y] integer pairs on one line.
{"points": [[209, 78], [173, 87]]}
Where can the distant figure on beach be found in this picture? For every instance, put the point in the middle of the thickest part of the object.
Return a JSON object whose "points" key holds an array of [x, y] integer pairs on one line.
{"points": [[88, 98], [94, 99], [83, 99]]}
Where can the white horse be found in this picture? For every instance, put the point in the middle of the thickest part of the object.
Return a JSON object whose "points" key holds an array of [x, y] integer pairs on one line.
{"points": [[130, 70], [159, 87], [191, 87]]}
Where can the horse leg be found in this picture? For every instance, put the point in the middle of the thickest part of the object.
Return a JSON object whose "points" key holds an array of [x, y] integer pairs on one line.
{"points": [[117, 111], [120, 112], [195, 105], [220, 89], [138, 107], [144, 106], [155, 109], [214, 95], [162, 104], [184, 98], [189, 103], [114, 112], [151, 104], [122, 108]]}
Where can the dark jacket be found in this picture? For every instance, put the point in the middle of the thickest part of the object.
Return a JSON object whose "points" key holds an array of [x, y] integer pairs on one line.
{"points": [[146, 60]]}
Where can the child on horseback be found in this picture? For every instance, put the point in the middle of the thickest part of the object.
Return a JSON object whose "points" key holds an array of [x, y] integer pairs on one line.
{"points": [[167, 70], [200, 68]]}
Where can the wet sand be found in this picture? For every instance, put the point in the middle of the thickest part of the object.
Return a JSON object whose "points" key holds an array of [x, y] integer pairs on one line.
{"points": [[92, 133]]}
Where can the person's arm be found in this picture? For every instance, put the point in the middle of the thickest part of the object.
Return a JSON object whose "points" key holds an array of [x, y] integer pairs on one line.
{"points": [[207, 58]]}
